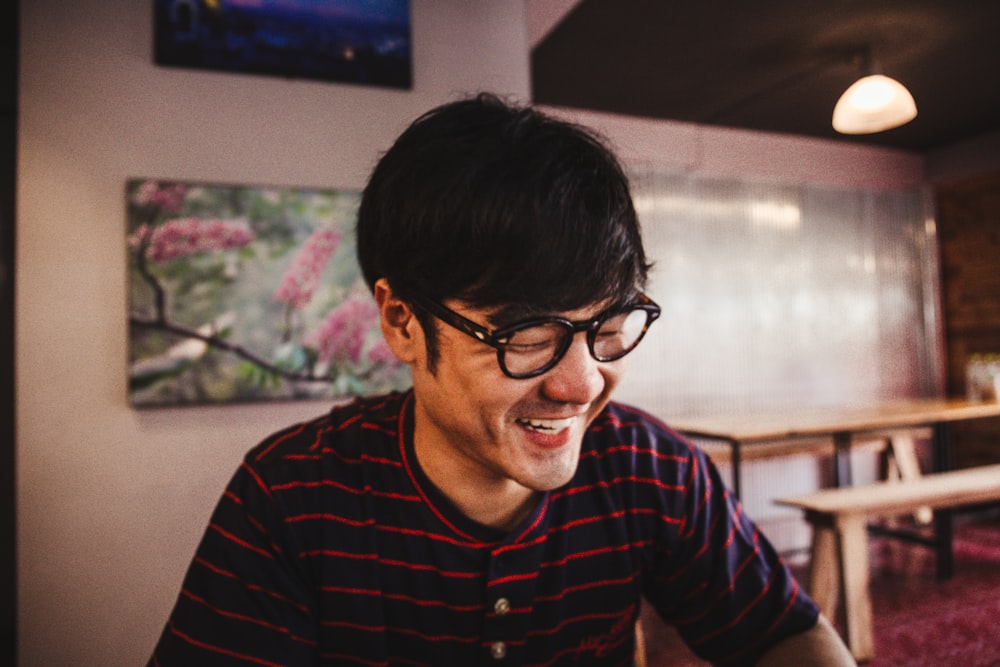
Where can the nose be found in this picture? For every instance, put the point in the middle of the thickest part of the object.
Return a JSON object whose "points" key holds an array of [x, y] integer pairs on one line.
{"points": [[577, 378]]}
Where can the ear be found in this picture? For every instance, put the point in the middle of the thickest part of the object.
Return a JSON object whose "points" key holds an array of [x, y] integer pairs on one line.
{"points": [[400, 327]]}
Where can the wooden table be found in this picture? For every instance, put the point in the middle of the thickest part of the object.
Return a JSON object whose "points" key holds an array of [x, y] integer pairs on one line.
{"points": [[836, 430], [812, 430]]}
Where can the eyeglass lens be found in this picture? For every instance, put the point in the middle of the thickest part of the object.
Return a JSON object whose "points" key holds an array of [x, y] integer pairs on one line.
{"points": [[536, 347]]}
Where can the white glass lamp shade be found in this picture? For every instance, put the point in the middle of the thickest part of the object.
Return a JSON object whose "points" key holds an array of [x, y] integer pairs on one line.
{"points": [[872, 104]]}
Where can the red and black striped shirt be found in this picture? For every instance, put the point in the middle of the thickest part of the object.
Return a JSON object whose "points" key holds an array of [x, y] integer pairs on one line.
{"points": [[330, 546]]}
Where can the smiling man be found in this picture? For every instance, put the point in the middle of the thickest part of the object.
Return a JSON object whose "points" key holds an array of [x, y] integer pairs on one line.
{"points": [[504, 511]]}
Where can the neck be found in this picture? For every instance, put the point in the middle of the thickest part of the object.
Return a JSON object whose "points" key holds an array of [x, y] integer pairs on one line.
{"points": [[491, 500]]}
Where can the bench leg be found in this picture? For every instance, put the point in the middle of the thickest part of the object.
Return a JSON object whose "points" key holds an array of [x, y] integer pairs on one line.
{"points": [[824, 570], [857, 604]]}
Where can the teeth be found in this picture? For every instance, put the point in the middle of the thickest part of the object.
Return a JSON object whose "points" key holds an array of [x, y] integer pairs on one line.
{"points": [[547, 425]]}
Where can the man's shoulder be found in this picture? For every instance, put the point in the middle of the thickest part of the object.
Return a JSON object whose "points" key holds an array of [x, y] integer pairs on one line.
{"points": [[346, 429], [626, 437], [619, 421]]}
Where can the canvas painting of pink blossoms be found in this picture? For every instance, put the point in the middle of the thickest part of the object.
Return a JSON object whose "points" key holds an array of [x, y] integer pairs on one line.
{"points": [[244, 293]]}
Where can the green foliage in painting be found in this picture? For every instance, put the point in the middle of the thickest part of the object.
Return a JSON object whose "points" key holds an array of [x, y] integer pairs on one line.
{"points": [[240, 293]]}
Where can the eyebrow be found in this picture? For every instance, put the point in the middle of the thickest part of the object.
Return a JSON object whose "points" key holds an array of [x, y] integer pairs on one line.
{"points": [[513, 313]]}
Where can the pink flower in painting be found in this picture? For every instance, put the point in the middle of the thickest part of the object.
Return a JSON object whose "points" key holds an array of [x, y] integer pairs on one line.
{"points": [[342, 335], [302, 277], [187, 236], [169, 197]]}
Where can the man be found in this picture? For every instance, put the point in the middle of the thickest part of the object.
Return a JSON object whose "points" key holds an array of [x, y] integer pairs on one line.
{"points": [[503, 511]]}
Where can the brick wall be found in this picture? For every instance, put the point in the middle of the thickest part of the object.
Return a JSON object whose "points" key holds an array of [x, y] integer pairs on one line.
{"points": [[968, 213]]}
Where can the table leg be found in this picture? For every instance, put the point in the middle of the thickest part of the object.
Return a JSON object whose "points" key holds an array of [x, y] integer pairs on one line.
{"points": [[842, 459], [902, 466], [944, 459], [735, 447]]}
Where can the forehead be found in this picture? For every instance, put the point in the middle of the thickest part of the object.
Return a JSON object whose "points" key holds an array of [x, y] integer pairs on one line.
{"points": [[509, 314]]}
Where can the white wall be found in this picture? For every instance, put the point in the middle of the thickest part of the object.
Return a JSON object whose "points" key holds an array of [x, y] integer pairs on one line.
{"points": [[111, 501]]}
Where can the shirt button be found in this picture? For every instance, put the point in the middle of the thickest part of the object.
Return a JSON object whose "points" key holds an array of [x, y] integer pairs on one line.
{"points": [[502, 606], [498, 650]]}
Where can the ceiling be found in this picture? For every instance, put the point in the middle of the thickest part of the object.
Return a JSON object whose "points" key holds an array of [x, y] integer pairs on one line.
{"points": [[775, 65]]}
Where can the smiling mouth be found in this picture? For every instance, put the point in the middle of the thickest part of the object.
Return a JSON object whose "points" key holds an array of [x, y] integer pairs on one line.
{"points": [[548, 426]]}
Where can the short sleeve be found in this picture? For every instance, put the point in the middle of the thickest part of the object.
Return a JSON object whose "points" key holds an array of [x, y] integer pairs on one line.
{"points": [[714, 575], [245, 598]]}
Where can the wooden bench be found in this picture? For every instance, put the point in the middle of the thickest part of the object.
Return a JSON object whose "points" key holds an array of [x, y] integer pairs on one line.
{"points": [[839, 517]]}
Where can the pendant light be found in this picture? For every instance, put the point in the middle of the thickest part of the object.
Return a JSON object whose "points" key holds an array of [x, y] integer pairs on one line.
{"points": [[873, 103]]}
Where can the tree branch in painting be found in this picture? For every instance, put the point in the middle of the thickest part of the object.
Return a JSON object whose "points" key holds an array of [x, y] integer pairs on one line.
{"points": [[202, 259]]}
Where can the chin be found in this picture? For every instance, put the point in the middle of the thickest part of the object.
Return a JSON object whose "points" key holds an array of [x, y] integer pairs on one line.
{"points": [[554, 474]]}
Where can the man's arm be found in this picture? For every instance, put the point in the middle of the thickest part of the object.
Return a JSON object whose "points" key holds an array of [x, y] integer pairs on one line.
{"points": [[819, 646], [243, 600]]}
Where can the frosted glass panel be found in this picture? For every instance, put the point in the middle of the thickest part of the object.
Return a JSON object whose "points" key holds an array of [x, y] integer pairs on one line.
{"points": [[778, 295]]}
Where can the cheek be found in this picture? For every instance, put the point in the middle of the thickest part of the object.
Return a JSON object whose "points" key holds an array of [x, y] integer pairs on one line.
{"points": [[612, 372], [475, 384], [614, 377]]}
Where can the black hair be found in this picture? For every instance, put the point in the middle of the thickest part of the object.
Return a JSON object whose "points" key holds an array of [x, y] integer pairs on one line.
{"points": [[503, 207]]}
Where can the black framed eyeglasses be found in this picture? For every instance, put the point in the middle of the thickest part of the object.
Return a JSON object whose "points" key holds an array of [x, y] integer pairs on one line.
{"points": [[529, 348]]}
